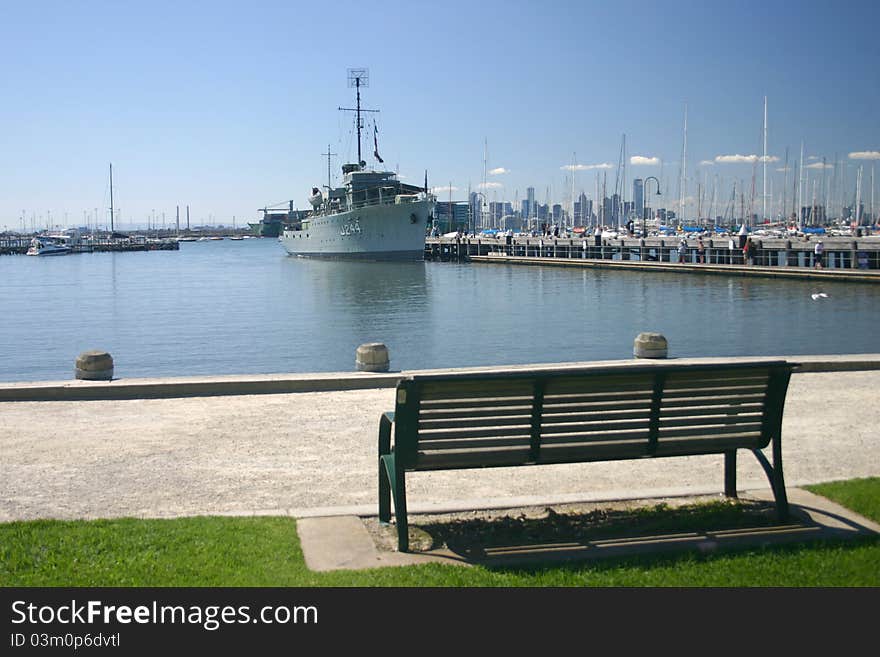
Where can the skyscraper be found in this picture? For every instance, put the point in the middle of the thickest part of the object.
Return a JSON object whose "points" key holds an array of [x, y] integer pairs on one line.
{"points": [[639, 196]]}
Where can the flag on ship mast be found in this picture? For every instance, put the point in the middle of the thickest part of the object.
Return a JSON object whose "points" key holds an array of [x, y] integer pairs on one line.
{"points": [[376, 144]]}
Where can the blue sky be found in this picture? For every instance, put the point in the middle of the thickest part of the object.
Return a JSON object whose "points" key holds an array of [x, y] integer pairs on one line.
{"points": [[227, 106]]}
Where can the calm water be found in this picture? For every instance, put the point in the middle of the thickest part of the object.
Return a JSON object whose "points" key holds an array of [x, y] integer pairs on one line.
{"points": [[236, 307]]}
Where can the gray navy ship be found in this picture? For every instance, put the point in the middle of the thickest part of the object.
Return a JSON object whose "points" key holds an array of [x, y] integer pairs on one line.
{"points": [[372, 215]]}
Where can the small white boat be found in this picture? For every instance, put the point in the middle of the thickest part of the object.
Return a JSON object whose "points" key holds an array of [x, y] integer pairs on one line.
{"points": [[47, 247]]}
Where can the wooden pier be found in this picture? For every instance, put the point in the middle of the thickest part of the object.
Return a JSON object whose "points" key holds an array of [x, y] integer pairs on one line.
{"points": [[18, 245], [844, 258]]}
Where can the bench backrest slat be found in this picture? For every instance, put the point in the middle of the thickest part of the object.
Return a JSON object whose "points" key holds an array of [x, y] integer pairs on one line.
{"points": [[477, 420]]}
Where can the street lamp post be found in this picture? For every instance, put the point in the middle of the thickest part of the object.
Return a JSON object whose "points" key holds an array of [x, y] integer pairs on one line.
{"points": [[644, 206]]}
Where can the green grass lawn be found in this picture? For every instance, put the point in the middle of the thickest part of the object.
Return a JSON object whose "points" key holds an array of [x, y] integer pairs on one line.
{"points": [[225, 551]]}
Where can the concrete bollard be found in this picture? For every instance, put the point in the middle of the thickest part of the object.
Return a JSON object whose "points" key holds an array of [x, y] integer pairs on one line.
{"points": [[372, 357], [94, 366], [650, 345]]}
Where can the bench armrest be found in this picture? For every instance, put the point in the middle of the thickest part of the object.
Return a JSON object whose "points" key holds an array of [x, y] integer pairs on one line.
{"points": [[385, 422]]}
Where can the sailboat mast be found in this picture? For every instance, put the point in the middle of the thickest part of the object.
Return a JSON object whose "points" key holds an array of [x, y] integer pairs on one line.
{"points": [[800, 194], [683, 181], [111, 197], [764, 160]]}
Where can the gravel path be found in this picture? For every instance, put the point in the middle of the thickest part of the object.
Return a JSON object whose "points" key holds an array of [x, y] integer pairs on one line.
{"points": [[300, 453]]}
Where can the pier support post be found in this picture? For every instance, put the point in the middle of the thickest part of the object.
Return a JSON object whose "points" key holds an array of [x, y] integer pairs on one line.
{"points": [[94, 366], [854, 255], [372, 357], [650, 345]]}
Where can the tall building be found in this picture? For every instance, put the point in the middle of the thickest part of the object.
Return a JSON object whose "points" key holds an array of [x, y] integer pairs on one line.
{"points": [[639, 196], [530, 199], [476, 205], [452, 216], [582, 210]]}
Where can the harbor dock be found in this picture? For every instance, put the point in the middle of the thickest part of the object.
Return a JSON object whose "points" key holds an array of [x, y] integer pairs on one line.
{"points": [[18, 245], [845, 259]]}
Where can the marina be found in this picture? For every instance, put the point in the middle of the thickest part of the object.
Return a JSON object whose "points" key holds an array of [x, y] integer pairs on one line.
{"points": [[223, 307], [19, 245]]}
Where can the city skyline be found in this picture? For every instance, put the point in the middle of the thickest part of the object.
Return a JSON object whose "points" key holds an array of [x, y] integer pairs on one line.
{"points": [[227, 113]]}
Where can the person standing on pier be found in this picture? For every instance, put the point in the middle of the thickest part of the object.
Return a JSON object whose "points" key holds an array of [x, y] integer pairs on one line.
{"points": [[682, 249], [818, 254], [701, 250], [748, 251]]}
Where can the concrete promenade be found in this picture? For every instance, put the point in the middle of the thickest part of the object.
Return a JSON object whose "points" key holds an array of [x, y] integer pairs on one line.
{"points": [[305, 445]]}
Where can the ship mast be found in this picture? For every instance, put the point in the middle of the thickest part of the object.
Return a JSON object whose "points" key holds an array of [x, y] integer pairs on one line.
{"points": [[111, 197], [357, 78]]}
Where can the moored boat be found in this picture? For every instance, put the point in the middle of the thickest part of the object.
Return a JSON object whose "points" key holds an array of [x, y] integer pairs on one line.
{"points": [[43, 246]]}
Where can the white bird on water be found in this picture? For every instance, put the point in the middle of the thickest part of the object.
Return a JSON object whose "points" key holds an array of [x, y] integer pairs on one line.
{"points": [[819, 295]]}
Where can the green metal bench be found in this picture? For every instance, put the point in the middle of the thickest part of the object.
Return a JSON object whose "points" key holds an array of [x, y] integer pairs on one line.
{"points": [[602, 413]]}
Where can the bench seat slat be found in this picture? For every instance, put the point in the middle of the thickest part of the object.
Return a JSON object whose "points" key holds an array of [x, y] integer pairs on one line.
{"points": [[595, 437], [710, 420], [605, 402], [710, 409], [598, 451], [723, 375], [476, 403], [717, 391], [469, 389], [594, 415], [592, 427], [432, 446], [463, 421], [712, 444], [475, 432], [714, 430], [566, 383], [597, 394], [705, 400], [472, 458], [475, 412]]}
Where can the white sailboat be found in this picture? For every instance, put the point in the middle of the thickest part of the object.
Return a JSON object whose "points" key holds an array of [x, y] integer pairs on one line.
{"points": [[372, 215]]}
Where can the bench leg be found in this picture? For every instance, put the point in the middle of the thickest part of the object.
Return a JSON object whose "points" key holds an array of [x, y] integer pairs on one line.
{"points": [[774, 475], [385, 423], [393, 480], [384, 493], [730, 473]]}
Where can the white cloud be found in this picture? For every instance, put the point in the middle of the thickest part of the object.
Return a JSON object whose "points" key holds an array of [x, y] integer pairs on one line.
{"points": [[865, 155], [783, 169], [819, 165], [490, 185], [498, 171], [744, 159], [585, 167], [638, 160], [812, 157], [446, 188], [705, 163]]}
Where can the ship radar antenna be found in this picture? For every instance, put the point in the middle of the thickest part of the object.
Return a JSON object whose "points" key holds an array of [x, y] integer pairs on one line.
{"points": [[358, 78]]}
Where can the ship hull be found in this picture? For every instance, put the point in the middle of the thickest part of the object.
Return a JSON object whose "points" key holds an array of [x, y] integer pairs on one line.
{"points": [[386, 231]]}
